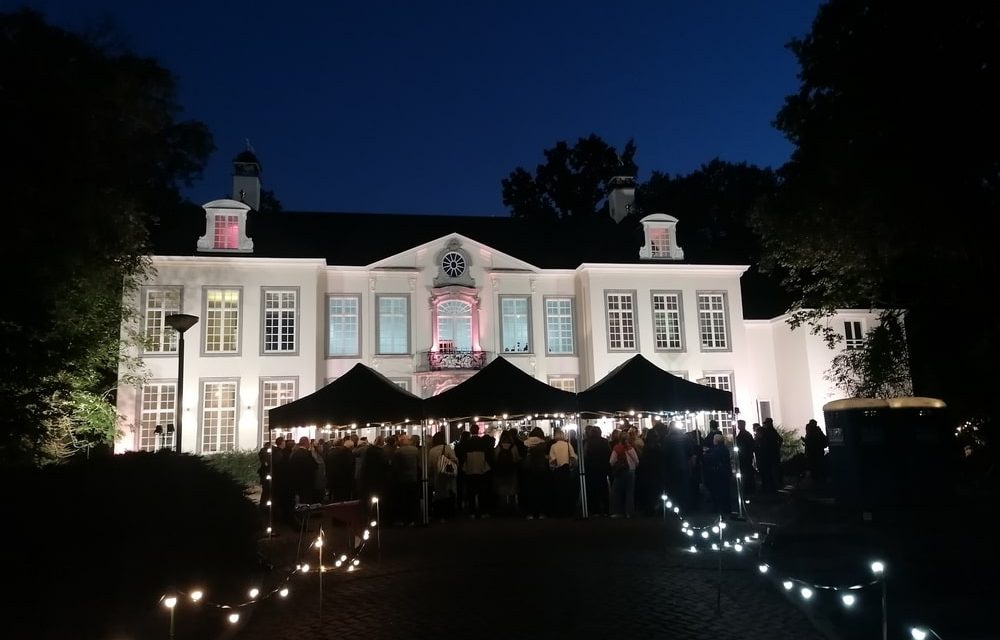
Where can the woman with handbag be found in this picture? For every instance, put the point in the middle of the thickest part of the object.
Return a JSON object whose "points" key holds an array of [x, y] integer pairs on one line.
{"points": [[443, 468]]}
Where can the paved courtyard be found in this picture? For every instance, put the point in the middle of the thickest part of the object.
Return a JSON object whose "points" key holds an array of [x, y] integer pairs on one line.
{"points": [[512, 578]]}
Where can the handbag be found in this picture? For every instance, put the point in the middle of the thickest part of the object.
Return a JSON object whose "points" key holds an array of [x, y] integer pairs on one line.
{"points": [[446, 465]]}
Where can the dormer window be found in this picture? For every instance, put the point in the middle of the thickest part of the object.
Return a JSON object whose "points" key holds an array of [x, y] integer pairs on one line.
{"points": [[661, 238], [225, 228], [659, 243], [227, 232]]}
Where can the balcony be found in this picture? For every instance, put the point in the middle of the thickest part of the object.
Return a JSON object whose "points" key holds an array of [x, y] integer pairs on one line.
{"points": [[452, 360]]}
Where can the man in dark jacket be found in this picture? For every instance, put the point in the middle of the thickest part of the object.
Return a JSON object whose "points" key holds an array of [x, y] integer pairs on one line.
{"points": [[597, 467], [302, 471], [746, 445], [769, 456]]}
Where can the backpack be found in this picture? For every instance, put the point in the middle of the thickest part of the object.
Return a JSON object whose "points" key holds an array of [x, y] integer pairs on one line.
{"points": [[504, 462], [538, 458]]}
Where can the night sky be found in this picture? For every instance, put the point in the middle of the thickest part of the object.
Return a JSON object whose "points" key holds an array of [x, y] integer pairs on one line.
{"points": [[423, 107]]}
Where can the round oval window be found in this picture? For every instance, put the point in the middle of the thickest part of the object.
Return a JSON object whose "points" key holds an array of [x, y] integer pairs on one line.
{"points": [[453, 264]]}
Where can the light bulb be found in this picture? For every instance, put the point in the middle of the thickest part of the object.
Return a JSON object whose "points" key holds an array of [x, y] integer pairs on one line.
{"points": [[917, 633], [663, 497], [234, 618], [170, 602], [738, 547], [685, 524], [254, 592], [848, 599], [283, 592], [715, 547], [305, 568], [343, 558], [373, 524], [787, 584], [878, 567], [806, 593], [374, 499], [689, 532], [196, 595], [762, 568], [693, 549], [677, 510], [715, 529], [704, 534], [356, 562]]}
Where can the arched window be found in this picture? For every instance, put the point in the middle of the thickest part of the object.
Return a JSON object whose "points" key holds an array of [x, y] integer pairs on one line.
{"points": [[454, 326]]}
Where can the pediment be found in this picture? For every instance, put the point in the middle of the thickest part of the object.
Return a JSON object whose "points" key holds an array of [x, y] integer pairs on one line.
{"points": [[428, 255]]}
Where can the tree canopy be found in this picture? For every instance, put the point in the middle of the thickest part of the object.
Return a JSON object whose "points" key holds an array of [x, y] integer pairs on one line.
{"points": [[890, 198], [572, 183], [97, 151]]}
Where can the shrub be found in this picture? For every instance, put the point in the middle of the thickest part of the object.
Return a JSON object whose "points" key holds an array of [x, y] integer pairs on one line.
{"points": [[241, 465], [791, 442], [107, 536]]}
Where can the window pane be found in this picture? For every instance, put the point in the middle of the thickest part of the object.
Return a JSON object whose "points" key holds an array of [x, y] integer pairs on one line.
{"points": [[559, 325], [343, 326], [712, 320], [514, 324], [157, 407], [222, 324], [454, 326], [621, 322], [161, 303], [274, 393], [667, 320], [279, 321], [393, 325], [725, 418], [218, 426], [227, 232]]}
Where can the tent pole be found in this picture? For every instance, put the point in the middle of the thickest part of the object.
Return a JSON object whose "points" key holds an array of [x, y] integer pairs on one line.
{"points": [[424, 446], [581, 441]]}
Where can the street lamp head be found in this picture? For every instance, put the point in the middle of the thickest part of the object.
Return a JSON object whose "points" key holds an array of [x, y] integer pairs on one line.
{"points": [[181, 321]]}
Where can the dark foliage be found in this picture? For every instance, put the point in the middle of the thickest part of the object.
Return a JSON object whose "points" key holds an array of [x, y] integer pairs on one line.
{"points": [[101, 540]]}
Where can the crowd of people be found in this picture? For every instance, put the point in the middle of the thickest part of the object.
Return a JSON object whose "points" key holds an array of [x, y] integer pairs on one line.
{"points": [[529, 474]]}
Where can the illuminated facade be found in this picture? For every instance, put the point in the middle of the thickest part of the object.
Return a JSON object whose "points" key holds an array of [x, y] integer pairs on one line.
{"points": [[290, 301]]}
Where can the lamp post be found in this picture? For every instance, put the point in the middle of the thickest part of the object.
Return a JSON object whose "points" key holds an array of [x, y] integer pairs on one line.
{"points": [[181, 322]]}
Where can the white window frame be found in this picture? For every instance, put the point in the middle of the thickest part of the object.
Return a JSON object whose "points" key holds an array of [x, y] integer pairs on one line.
{"points": [[356, 298], [565, 382], [405, 297], [207, 413], [666, 313], [854, 334], [680, 374], [163, 413], [166, 340], [222, 222], [721, 380], [713, 317], [279, 313], [561, 319], [402, 383], [217, 318], [626, 319], [505, 324], [269, 399], [659, 247]]}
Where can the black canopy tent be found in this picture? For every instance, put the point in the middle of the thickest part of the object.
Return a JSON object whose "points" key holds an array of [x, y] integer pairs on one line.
{"points": [[500, 388], [361, 395], [640, 385]]}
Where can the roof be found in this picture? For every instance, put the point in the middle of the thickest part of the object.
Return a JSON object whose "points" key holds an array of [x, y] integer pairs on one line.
{"points": [[361, 239], [247, 156]]}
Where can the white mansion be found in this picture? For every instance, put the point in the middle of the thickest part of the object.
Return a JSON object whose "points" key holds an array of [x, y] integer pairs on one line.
{"points": [[287, 302]]}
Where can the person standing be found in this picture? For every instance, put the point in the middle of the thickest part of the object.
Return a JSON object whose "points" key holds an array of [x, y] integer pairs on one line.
{"points": [[769, 456], [302, 467], [562, 459], [816, 442], [624, 460], [746, 445], [442, 483], [597, 468], [718, 475], [475, 457], [406, 476], [535, 489]]}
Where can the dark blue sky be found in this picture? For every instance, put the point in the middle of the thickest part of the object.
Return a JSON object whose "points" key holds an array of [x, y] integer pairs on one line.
{"points": [[423, 107]]}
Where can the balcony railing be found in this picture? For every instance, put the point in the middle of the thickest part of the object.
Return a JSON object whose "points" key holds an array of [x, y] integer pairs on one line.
{"points": [[447, 360]]}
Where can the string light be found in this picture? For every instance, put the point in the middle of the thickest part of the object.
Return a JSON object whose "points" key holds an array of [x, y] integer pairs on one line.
{"points": [[788, 584], [762, 568], [848, 599], [806, 593], [256, 594]]}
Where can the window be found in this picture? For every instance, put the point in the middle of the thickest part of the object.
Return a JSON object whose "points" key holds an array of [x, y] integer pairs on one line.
{"points": [[402, 384], [344, 338], [566, 383], [280, 310], [222, 321], [393, 324], [683, 375], [721, 381], [227, 232], [659, 242], [454, 320], [514, 325], [855, 339], [764, 409], [667, 321], [274, 393], [160, 303], [559, 326], [157, 407], [218, 417], [712, 321], [621, 321]]}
